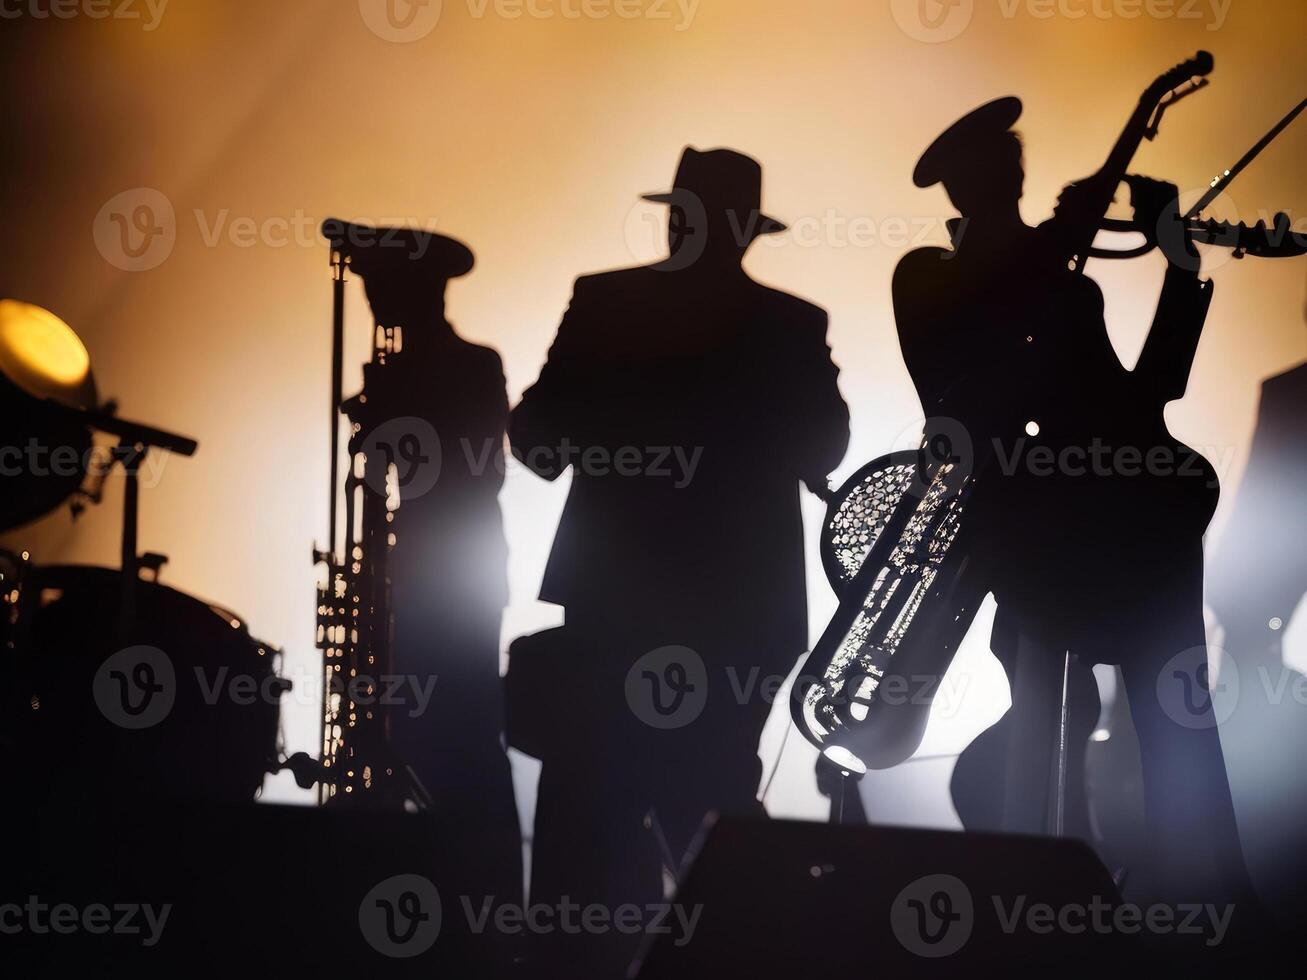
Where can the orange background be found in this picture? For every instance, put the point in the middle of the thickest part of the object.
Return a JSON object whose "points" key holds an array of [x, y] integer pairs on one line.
{"points": [[531, 139]]}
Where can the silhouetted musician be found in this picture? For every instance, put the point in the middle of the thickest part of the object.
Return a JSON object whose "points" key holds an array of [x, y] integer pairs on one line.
{"points": [[1256, 582], [439, 411], [1090, 515], [1259, 574], [695, 401]]}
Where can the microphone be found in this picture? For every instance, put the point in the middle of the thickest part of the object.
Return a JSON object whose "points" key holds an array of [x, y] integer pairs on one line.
{"points": [[345, 236]]}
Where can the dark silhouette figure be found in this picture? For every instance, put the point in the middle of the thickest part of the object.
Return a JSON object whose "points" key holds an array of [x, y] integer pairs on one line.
{"points": [[440, 412], [1256, 581], [694, 401], [1259, 574], [1089, 514]]}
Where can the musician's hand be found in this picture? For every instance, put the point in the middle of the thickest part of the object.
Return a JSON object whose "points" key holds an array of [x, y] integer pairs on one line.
{"points": [[1152, 200], [1156, 205], [1075, 200]]}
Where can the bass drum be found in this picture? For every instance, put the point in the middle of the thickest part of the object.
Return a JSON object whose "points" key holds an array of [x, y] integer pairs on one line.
{"points": [[184, 703]]}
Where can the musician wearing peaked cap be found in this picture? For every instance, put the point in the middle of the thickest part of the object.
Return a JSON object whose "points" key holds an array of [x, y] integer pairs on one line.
{"points": [[1103, 561], [437, 408], [970, 142], [399, 254]]}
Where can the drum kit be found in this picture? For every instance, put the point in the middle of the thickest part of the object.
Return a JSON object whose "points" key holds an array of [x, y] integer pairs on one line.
{"points": [[112, 685]]}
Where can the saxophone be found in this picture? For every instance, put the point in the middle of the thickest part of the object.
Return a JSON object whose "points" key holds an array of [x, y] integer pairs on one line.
{"points": [[354, 618]]}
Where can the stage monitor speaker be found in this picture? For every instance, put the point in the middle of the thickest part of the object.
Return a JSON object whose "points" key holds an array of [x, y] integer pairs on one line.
{"points": [[789, 899]]}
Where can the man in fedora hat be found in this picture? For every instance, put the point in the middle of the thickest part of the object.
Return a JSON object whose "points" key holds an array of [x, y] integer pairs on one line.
{"points": [[436, 409], [690, 402], [1090, 552]]}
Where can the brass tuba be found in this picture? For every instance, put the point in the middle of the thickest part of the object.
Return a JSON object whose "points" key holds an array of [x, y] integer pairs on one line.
{"points": [[894, 548]]}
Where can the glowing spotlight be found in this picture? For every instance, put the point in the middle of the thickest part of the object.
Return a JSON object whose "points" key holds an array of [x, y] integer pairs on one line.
{"points": [[1032, 428], [43, 356]]}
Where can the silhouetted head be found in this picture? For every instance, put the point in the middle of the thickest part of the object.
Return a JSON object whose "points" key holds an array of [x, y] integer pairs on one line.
{"points": [[716, 209], [404, 270], [978, 159]]}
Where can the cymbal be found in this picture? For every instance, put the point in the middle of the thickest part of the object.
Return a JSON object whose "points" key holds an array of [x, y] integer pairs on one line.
{"points": [[43, 356]]}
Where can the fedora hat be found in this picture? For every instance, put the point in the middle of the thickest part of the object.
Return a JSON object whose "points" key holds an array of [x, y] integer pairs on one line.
{"points": [[723, 181]]}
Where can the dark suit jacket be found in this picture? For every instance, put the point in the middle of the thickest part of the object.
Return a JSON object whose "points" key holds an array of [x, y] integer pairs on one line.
{"points": [[450, 551], [693, 410], [1088, 553]]}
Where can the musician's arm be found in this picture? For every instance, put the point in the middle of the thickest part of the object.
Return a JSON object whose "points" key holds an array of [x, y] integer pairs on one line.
{"points": [[915, 287], [496, 413], [552, 409], [1079, 206], [824, 435]]}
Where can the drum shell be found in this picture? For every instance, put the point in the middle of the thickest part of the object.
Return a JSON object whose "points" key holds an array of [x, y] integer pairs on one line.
{"points": [[216, 739]]}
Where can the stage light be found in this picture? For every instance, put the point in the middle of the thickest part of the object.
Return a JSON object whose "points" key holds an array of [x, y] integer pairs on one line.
{"points": [[43, 356]]}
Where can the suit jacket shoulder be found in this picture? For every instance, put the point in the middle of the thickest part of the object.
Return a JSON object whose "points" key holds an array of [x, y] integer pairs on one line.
{"points": [[788, 310], [918, 272], [598, 297], [916, 292], [613, 282]]}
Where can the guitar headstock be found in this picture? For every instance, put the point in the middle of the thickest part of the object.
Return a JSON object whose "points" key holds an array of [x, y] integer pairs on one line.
{"points": [[1199, 66]]}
